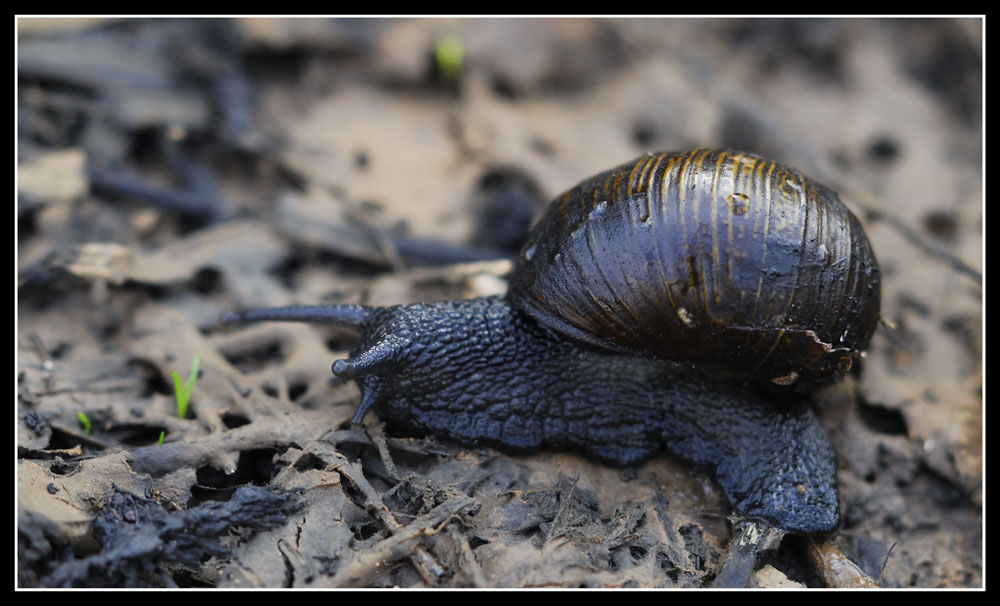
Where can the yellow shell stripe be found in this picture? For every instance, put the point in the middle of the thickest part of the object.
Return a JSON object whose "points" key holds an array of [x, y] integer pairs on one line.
{"points": [[620, 302], [635, 183], [730, 249], [682, 171], [738, 188], [703, 154], [720, 160], [606, 184], [802, 219], [648, 169], [664, 193], [769, 184], [634, 187], [766, 213], [641, 222]]}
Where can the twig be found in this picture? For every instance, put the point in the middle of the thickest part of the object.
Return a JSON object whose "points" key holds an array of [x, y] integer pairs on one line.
{"points": [[378, 236], [836, 569], [197, 452], [425, 563], [191, 203], [931, 248], [368, 566], [377, 435], [467, 560]]}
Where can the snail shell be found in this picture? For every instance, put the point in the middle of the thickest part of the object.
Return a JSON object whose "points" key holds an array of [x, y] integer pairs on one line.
{"points": [[707, 256]]}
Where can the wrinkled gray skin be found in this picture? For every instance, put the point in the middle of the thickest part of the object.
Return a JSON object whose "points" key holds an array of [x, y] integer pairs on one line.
{"points": [[479, 372]]}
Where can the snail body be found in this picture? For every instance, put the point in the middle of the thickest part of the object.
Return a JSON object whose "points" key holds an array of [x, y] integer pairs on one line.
{"points": [[692, 248]]}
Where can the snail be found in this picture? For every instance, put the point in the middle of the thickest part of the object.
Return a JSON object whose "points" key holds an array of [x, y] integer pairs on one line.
{"points": [[690, 301]]}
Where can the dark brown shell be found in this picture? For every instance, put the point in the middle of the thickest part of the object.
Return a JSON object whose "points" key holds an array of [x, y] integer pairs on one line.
{"points": [[706, 256]]}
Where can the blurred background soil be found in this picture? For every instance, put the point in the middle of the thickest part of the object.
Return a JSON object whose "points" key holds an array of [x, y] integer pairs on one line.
{"points": [[171, 170]]}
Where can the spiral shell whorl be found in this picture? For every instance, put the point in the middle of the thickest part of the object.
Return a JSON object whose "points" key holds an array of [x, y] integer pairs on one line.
{"points": [[705, 256]]}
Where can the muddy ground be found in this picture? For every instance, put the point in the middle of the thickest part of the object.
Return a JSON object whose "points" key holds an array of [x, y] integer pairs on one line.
{"points": [[170, 171]]}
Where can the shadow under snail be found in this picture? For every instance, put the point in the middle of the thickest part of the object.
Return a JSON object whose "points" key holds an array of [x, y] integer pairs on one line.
{"points": [[688, 301]]}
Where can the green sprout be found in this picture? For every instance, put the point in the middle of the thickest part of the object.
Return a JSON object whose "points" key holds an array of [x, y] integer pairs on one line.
{"points": [[448, 56], [183, 391], [84, 422], [160, 441]]}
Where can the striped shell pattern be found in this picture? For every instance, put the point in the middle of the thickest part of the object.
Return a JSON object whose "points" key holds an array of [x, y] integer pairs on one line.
{"points": [[706, 256]]}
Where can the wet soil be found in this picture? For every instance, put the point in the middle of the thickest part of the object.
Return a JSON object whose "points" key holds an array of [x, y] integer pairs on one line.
{"points": [[173, 170]]}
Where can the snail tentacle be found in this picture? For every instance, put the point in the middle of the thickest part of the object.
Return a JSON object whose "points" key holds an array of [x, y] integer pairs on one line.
{"points": [[377, 359], [352, 316], [369, 397]]}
